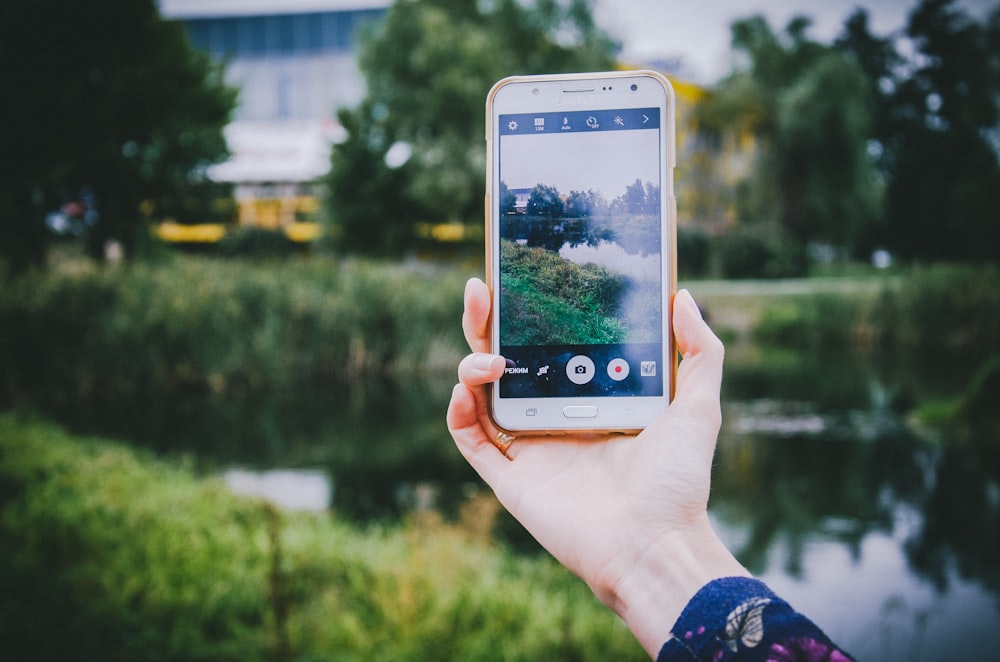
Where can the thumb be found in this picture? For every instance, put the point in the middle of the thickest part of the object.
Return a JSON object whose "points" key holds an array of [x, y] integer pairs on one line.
{"points": [[699, 376]]}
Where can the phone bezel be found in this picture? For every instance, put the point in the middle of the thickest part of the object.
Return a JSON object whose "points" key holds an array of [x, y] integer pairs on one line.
{"points": [[573, 92]]}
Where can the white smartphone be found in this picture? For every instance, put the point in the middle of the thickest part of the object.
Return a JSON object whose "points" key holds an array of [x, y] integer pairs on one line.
{"points": [[581, 257]]}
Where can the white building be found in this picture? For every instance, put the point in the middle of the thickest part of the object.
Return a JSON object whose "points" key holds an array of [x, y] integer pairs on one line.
{"points": [[294, 63]]}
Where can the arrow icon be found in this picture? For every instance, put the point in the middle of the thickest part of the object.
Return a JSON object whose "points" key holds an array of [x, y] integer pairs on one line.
{"points": [[645, 118]]}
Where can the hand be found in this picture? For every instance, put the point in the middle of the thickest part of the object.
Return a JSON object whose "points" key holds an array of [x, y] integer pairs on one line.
{"points": [[626, 514]]}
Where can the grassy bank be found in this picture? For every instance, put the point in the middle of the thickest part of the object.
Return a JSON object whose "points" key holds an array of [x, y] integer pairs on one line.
{"points": [[202, 324], [195, 325], [931, 333], [552, 301], [947, 309], [109, 554]]}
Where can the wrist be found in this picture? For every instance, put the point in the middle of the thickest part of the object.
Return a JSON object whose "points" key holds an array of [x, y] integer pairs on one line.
{"points": [[663, 578]]}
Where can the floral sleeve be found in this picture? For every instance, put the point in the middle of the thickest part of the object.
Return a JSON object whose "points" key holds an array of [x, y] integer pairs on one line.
{"points": [[738, 618]]}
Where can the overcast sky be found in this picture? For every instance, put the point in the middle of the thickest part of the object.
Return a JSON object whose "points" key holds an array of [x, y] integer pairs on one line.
{"points": [[697, 32], [581, 161]]}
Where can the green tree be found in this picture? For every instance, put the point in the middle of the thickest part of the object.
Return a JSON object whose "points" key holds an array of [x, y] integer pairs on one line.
{"points": [[807, 105], [428, 65], [104, 96], [937, 131], [583, 204], [544, 202], [508, 200]]}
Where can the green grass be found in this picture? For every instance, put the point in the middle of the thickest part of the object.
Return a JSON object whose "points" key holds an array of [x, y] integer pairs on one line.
{"points": [[109, 554], [551, 301], [204, 324]]}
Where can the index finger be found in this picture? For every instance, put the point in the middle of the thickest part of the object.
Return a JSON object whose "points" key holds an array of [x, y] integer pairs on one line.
{"points": [[476, 316]]}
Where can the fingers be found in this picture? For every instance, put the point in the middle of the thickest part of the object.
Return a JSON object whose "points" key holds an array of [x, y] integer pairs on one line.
{"points": [[479, 368], [477, 314], [467, 418], [473, 441]]}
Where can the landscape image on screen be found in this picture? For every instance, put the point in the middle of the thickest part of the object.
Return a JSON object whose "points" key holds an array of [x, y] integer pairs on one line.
{"points": [[580, 219]]}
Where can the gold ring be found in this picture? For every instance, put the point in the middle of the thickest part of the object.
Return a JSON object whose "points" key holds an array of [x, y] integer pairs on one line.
{"points": [[503, 442]]}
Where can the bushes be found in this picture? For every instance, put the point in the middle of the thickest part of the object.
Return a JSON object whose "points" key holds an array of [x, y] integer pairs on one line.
{"points": [[551, 300], [210, 324], [105, 554], [756, 252], [820, 321], [940, 327], [950, 310]]}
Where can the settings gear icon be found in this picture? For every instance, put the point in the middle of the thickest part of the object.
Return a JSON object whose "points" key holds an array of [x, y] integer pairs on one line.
{"points": [[512, 125]]}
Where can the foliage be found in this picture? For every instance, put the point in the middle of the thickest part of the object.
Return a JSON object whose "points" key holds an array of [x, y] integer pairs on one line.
{"points": [[105, 554], [971, 415], [935, 131], [108, 556], [222, 325], [551, 301], [816, 322], [105, 100], [257, 242], [941, 326], [952, 312], [866, 144], [692, 253], [807, 106], [585, 218], [759, 250], [428, 65], [949, 311]]}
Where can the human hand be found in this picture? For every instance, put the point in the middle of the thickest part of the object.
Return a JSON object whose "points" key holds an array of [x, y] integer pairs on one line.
{"points": [[626, 514]]}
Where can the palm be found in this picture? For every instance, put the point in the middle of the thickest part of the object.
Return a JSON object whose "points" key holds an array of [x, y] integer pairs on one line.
{"points": [[572, 494], [578, 497]]}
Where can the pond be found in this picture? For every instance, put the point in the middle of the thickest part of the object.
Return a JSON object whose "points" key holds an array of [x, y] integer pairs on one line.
{"points": [[889, 541]]}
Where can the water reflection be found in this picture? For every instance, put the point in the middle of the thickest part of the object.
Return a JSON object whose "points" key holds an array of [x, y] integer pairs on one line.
{"points": [[887, 540], [380, 444], [890, 541], [607, 254], [291, 489]]}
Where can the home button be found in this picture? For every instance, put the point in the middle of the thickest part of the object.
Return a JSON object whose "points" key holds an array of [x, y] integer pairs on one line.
{"points": [[580, 411]]}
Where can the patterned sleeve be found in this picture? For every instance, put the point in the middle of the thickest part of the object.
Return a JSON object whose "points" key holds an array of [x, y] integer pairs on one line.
{"points": [[738, 618]]}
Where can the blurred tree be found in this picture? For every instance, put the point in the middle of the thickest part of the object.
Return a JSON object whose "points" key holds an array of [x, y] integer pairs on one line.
{"points": [[808, 108], [581, 204], [428, 65], [508, 200], [544, 202], [937, 131], [103, 96]]}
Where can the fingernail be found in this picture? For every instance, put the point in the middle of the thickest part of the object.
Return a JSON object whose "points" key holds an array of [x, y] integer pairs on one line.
{"points": [[485, 362], [689, 302]]}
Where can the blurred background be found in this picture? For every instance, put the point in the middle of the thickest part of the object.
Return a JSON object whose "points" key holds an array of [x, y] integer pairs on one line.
{"points": [[234, 236]]}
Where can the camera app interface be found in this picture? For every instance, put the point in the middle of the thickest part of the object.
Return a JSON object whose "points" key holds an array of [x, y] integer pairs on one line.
{"points": [[581, 301]]}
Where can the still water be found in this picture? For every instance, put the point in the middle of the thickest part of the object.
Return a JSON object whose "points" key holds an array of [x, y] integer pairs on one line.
{"points": [[888, 539]]}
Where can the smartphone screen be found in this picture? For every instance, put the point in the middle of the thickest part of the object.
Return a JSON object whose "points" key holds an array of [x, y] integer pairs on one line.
{"points": [[582, 245]]}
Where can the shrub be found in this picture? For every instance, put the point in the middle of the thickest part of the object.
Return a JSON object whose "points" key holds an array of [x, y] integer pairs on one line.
{"points": [[106, 556], [218, 325], [692, 253], [946, 309], [110, 555], [757, 252], [257, 242], [823, 321]]}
